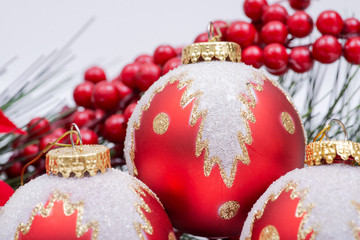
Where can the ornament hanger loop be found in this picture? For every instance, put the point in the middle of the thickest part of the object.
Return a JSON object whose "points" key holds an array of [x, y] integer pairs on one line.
{"points": [[324, 133], [211, 34], [73, 125]]}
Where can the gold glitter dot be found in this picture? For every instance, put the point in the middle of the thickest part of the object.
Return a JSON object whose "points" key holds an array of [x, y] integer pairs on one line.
{"points": [[229, 209], [161, 123], [287, 122], [171, 236], [269, 233]]}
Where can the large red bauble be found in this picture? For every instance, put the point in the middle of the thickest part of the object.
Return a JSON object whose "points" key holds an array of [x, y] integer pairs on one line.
{"points": [[5, 192], [208, 138]]}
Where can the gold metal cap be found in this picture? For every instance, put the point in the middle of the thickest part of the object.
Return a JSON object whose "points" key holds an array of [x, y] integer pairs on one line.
{"points": [[78, 160], [214, 49], [332, 151]]}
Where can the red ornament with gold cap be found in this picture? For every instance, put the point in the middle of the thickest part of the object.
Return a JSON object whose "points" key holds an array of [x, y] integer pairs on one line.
{"points": [[210, 136], [82, 197], [321, 201]]}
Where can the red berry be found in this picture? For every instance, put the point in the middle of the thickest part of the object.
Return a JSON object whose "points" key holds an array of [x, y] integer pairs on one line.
{"points": [[329, 22], [82, 94], [115, 128], [351, 26], [122, 88], [171, 64], [106, 96], [59, 132], [144, 59], [178, 51], [326, 49], [222, 26], [14, 170], [275, 12], [128, 111], [48, 139], [254, 8], [252, 55], [82, 118], [300, 24], [38, 126], [352, 50], [202, 37], [274, 31], [128, 74], [163, 53], [95, 75], [99, 113], [242, 33], [30, 151], [147, 75], [300, 59], [275, 58], [87, 136], [299, 4]]}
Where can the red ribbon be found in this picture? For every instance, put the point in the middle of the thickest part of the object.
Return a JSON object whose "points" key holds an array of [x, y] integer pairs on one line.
{"points": [[7, 126]]}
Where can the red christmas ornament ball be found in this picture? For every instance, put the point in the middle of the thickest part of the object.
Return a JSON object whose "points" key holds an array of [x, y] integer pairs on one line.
{"points": [[242, 33], [351, 26], [147, 75], [327, 49], [300, 24], [300, 59], [274, 32], [5, 192], [352, 50], [38, 126], [275, 12], [164, 53], [253, 55], [254, 8], [193, 155], [82, 94], [95, 75], [299, 4], [106, 96], [329, 22], [276, 58]]}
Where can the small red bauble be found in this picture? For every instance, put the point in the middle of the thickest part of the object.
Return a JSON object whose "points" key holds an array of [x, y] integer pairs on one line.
{"points": [[5, 192], [252, 55], [128, 74], [147, 75], [171, 64], [82, 94], [95, 75], [351, 26], [81, 118], [242, 33], [38, 126], [254, 8], [329, 22], [115, 128], [145, 58], [163, 53], [106, 96], [128, 111], [300, 24], [299, 4], [352, 50], [276, 58], [300, 59], [326, 49], [274, 32], [275, 12]]}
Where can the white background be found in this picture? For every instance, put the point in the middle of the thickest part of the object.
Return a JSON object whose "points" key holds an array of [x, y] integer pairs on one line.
{"points": [[122, 29]]}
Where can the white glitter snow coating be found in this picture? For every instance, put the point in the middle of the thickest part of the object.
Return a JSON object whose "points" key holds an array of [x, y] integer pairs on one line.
{"points": [[108, 199], [331, 190], [220, 83]]}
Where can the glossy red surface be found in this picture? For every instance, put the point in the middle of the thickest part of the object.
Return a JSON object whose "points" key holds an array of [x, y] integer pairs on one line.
{"points": [[5, 192]]}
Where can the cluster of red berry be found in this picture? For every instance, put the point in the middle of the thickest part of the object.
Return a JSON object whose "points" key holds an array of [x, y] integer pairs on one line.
{"points": [[268, 39], [104, 108]]}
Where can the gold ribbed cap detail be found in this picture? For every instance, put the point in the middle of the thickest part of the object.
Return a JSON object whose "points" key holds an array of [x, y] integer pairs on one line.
{"points": [[78, 160], [332, 151]]}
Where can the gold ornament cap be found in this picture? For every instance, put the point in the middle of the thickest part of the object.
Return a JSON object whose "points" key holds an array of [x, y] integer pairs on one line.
{"points": [[214, 49], [332, 151], [78, 160]]}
